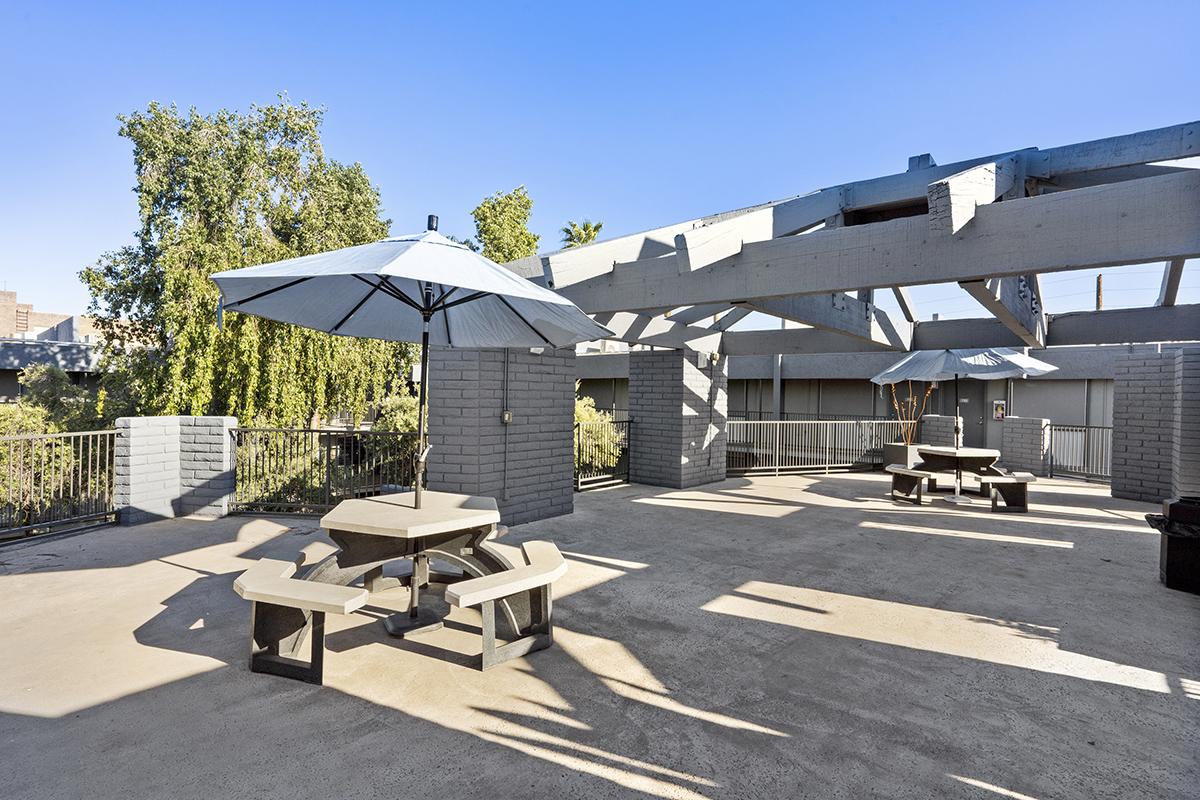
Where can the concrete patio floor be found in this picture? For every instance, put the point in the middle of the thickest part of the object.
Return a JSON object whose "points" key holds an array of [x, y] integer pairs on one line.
{"points": [[777, 637]]}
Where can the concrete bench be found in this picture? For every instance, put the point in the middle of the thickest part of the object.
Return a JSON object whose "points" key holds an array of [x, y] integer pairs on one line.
{"points": [[1012, 487], [907, 481], [270, 583], [543, 565]]}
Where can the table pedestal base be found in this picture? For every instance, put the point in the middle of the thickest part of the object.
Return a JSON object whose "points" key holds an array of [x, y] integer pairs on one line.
{"points": [[402, 624], [958, 499]]}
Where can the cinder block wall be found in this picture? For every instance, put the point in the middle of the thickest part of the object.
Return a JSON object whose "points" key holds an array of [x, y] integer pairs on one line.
{"points": [[527, 465], [1143, 447], [1185, 461], [938, 430], [1025, 444], [167, 467], [679, 405]]}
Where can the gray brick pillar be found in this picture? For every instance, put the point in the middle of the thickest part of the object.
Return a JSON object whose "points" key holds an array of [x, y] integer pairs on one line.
{"points": [[1025, 444], [146, 468], [172, 466], [206, 469], [1143, 446], [527, 464], [678, 401], [1185, 454], [938, 430]]}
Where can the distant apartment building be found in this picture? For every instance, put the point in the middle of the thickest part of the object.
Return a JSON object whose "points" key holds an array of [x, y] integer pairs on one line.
{"points": [[28, 336]]}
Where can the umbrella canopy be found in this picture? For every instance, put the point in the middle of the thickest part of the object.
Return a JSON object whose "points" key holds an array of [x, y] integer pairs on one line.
{"points": [[989, 363], [416, 288], [385, 290]]}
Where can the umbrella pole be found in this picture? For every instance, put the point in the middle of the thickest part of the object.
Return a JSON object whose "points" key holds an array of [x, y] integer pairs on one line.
{"points": [[958, 495], [422, 400]]}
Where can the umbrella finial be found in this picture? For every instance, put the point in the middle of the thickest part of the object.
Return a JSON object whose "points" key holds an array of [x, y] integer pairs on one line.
{"points": [[431, 223]]}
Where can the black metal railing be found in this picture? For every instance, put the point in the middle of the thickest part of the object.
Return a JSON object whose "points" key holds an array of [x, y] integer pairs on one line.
{"points": [[782, 447], [309, 470], [1081, 451], [601, 453], [53, 481]]}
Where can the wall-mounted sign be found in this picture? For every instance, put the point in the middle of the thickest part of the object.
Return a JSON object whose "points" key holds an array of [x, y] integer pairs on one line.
{"points": [[999, 409]]}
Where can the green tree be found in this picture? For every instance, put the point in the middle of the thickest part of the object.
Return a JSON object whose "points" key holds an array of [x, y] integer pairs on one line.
{"points": [[397, 413], [66, 407], [580, 233], [224, 191], [598, 442], [502, 226]]}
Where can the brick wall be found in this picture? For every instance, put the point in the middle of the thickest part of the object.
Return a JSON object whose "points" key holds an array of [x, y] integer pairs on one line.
{"points": [[1185, 450], [678, 402], [1143, 426], [527, 465], [172, 466], [938, 430], [1025, 444]]}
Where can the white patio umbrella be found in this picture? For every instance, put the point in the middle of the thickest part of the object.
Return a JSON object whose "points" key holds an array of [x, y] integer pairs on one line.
{"points": [[420, 287], [987, 363]]}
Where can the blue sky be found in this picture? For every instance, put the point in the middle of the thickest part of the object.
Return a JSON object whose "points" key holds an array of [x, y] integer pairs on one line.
{"points": [[634, 114]]}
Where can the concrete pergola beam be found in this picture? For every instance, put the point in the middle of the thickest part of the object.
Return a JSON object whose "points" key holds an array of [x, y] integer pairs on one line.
{"points": [[1134, 222], [838, 313], [1172, 275], [1016, 303]]}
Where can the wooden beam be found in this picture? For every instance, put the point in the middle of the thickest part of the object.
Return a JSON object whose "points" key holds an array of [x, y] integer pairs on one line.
{"points": [[904, 300], [710, 243], [1144, 147], [1172, 274], [838, 313], [953, 200], [1116, 326], [1016, 303], [1134, 222], [794, 340], [694, 314], [660, 332], [732, 316]]}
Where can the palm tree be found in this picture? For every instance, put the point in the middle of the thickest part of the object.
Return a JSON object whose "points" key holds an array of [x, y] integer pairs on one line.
{"points": [[577, 233]]}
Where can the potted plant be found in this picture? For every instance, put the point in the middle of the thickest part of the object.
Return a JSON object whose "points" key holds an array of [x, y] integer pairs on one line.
{"points": [[909, 411]]}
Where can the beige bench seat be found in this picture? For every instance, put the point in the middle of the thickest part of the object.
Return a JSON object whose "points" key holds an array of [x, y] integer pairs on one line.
{"points": [[906, 482], [270, 582], [544, 564]]}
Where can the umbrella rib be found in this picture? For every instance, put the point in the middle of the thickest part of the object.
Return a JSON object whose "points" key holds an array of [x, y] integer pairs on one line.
{"points": [[354, 310], [467, 299], [522, 318], [272, 290], [391, 291]]}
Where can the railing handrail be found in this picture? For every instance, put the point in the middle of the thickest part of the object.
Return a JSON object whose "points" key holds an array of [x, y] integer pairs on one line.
{"points": [[342, 431], [62, 435]]}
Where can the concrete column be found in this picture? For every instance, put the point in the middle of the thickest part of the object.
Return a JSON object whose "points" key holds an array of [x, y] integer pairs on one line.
{"points": [[678, 401], [168, 467], [526, 464], [1144, 399], [1185, 454], [938, 430], [1025, 444]]}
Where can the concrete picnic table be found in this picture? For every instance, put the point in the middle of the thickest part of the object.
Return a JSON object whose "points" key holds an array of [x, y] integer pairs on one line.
{"points": [[373, 531], [976, 460]]}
